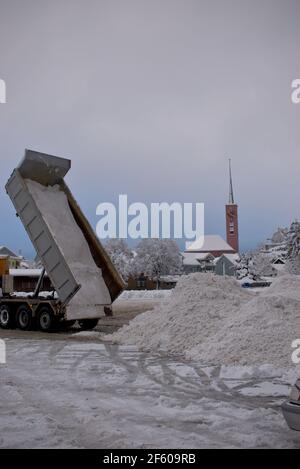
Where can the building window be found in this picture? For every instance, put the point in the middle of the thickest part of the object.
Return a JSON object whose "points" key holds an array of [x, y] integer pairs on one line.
{"points": [[141, 283], [231, 227]]}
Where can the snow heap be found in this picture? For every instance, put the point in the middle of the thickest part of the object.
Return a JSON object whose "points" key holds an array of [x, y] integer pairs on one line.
{"points": [[212, 319], [54, 206], [261, 332], [196, 310]]}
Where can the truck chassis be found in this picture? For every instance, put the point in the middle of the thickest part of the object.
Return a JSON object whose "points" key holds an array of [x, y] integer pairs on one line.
{"points": [[26, 313], [45, 314]]}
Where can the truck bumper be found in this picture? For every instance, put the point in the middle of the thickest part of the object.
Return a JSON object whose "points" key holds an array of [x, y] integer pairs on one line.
{"points": [[291, 412]]}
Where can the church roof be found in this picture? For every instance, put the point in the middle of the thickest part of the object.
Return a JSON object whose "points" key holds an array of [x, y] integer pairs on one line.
{"points": [[211, 243]]}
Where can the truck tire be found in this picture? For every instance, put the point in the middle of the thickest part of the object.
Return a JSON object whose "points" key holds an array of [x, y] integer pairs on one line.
{"points": [[46, 319], [6, 317], [24, 318], [88, 324]]}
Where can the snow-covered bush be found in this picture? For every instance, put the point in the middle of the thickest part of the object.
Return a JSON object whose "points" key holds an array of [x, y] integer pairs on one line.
{"points": [[293, 248], [121, 256], [157, 257]]}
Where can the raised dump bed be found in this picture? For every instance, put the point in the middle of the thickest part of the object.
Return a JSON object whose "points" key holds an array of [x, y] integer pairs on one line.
{"points": [[78, 266]]}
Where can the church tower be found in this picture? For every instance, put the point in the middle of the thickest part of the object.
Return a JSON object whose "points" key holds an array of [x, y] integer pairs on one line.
{"points": [[232, 227]]}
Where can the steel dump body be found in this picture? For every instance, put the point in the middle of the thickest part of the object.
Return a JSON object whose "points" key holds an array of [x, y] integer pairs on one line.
{"points": [[48, 171], [53, 260]]}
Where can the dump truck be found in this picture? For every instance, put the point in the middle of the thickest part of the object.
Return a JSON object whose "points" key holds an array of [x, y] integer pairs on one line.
{"points": [[53, 309]]}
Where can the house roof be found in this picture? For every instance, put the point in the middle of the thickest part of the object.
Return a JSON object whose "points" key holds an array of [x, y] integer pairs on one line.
{"points": [[25, 272], [4, 251], [211, 243], [278, 260], [193, 258], [233, 258]]}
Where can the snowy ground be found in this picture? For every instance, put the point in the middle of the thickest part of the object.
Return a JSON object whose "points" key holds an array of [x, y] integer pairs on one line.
{"points": [[77, 394], [144, 295]]}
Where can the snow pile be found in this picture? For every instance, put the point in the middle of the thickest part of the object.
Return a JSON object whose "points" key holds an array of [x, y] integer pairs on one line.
{"points": [[196, 310], [212, 319], [261, 332], [54, 206]]}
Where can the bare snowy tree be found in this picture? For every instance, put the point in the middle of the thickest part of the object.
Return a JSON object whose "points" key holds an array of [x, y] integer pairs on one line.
{"points": [[285, 245], [293, 248], [245, 267], [157, 257], [262, 265], [280, 236], [121, 256], [254, 265], [242, 269], [293, 240]]}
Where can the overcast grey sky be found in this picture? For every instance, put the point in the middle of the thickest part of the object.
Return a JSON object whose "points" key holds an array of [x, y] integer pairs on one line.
{"points": [[150, 98]]}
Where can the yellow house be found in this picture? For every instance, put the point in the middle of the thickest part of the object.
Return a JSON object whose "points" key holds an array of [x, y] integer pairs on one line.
{"points": [[9, 258]]}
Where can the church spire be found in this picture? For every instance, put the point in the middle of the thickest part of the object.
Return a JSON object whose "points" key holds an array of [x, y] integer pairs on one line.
{"points": [[231, 198], [232, 225]]}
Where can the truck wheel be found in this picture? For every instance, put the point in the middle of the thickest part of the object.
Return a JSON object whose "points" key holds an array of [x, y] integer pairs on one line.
{"points": [[24, 318], [88, 324], [6, 317], [46, 319]]}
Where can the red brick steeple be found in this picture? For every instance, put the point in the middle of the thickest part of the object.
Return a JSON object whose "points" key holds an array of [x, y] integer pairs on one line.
{"points": [[232, 227]]}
